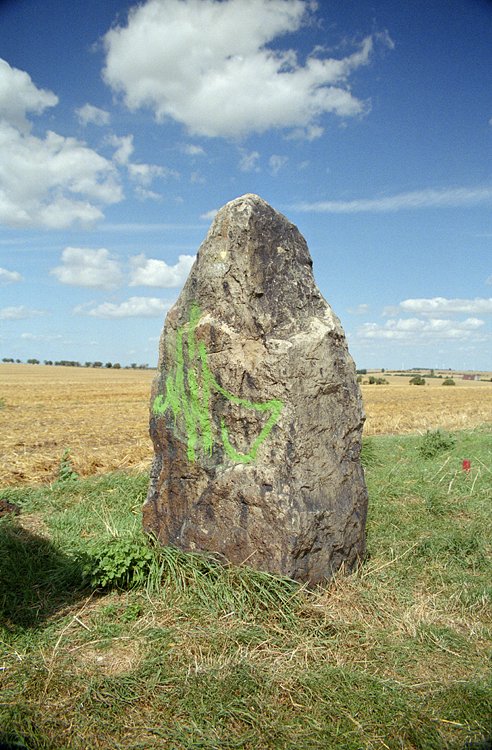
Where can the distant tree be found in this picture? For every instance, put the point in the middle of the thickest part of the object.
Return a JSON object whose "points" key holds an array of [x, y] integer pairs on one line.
{"points": [[361, 372], [7, 359], [133, 365], [448, 381], [108, 364], [97, 364], [33, 361], [377, 381], [48, 362], [417, 380], [88, 364], [116, 366], [18, 361]]}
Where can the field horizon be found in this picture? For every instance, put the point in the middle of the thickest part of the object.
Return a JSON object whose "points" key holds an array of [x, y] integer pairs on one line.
{"points": [[100, 416]]}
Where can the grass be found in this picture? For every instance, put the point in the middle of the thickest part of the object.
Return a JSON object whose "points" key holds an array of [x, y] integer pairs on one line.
{"points": [[200, 655]]}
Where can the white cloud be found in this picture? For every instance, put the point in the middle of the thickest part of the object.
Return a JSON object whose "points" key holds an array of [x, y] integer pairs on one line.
{"points": [[276, 162], [196, 178], [134, 307], [20, 313], [89, 268], [145, 194], [310, 133], [249, 162], [191, 150], [489, 280], [209, 215], [444, 198], [145, 173], [361, 309], [52, 181], [439, 305], [414, 330], [208, 65], [157, 273], [124, 147], [91, 114], [19, 95], [39, 179], [9, 277], [41, 337]]}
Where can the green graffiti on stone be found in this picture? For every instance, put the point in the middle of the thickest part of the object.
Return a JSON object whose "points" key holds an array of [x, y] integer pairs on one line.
{"points": [[188, 394]]}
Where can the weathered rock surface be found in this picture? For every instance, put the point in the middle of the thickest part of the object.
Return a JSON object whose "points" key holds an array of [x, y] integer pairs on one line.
{"points": [[256, 414]]}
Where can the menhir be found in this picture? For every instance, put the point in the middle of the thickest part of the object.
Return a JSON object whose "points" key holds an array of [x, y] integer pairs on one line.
{"points": [[256, 415]]}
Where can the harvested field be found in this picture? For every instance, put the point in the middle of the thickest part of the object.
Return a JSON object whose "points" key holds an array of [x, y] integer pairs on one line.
{"points": [[101, 417], [400, 408]]}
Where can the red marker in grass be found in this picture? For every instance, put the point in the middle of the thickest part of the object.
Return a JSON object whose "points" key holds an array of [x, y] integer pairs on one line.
{"points": [[466, 465]]}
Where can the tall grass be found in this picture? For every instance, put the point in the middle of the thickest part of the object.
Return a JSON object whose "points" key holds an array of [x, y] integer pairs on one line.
{"points": [[196, 654]]}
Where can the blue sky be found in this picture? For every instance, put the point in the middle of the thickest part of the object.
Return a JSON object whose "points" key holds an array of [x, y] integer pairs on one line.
{"points": [[123, 127]]}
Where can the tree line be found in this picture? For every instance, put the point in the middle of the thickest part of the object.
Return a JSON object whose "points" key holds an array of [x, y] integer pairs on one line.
{"points": [[73, 363]]}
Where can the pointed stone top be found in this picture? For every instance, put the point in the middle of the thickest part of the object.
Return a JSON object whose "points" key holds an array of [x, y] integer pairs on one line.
{"points": [[247, 207]]}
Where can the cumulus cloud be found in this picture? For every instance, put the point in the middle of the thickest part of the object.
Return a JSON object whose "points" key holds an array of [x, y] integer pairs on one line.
{"points": [[89, 268], [19, 95], [20, 312], [134, 307], [208, 66], [428, 198], [52, 181], [9, 277], [415, 329], [439, 305], [94, 115], [157, 273]]}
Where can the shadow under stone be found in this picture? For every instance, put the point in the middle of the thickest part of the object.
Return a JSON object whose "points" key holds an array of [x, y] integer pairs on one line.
{"points": [[36, 578]]}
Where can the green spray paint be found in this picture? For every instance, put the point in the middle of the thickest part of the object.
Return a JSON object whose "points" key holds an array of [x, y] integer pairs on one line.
{"points": [[189, 395]]}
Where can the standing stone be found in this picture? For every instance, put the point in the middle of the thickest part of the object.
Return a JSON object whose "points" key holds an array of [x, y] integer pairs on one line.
{"points": [[256, 414]]}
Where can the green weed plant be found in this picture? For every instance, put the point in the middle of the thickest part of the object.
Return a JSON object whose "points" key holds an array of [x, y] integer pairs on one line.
{"points": [[435, 442]]}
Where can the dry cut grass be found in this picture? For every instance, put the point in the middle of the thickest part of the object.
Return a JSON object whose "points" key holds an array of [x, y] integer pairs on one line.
{"points": [[101, 417], [399, 407]]}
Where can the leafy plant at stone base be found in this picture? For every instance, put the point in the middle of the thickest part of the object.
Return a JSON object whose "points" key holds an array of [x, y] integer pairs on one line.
{"points": [[435, 442], [121, 562], [66, 471]]}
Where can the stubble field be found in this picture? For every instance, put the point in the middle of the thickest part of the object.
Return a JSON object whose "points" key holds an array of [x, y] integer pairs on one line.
{"points": [[101, 417]]}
